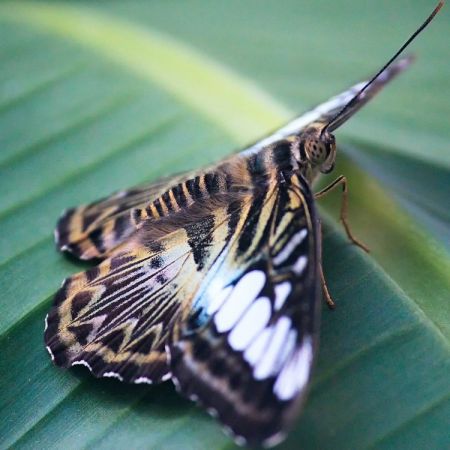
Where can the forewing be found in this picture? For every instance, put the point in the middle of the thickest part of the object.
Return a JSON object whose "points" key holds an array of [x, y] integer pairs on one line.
{"points": [[92, 231], [247, 350], [359, 98], [323, 113]]}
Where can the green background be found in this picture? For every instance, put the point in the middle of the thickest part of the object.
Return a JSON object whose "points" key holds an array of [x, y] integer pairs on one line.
{"points": [[98, 96]]}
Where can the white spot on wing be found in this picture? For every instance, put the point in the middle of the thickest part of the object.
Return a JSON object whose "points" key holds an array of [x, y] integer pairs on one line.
{"points": [[50, 353], [168, 355], [295, 372], [212, 412], [112, 375], [300, 265], [282, 291], [84, 255], [240, 440], [120, 194], [288, 349], [46, 322], [218, 297], [166, 376], [253, 322], [269, 362], [243, 294], [176, 383], [81, 362], [228, 431], [274, 440], [143, 380], [256, 349], [293, 243]]}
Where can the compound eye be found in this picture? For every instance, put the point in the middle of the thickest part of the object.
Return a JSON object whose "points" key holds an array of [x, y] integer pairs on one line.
{"points": [[317, 151]]}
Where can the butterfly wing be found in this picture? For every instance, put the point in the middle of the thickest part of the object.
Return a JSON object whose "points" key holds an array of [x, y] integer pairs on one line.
{"points": [[323, 113], [92, 231], [247, 349], [116, 318], [360, 97]]}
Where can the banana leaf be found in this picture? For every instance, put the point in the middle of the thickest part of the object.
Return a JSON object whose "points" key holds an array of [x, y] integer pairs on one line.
{"points": [[98, 96]]}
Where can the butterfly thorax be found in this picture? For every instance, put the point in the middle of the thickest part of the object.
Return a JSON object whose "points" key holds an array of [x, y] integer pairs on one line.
{"points": [[310, 152]]}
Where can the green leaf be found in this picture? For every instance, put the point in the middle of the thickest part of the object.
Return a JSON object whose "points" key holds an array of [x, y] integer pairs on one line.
{"points": [[97, 96]]}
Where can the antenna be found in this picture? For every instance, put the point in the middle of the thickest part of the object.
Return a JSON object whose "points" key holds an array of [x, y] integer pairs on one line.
{"points": [[358, 95]]}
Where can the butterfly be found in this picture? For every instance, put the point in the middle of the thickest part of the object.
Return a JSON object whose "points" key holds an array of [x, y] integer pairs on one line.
{"points": [[213, 278]]}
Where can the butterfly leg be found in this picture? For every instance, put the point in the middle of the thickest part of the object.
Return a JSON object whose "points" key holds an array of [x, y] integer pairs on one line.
{"points": [[329, 300], [342, 181], [326, 293]]}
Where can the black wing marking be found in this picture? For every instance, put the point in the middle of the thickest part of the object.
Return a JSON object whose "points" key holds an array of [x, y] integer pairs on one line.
{"points": [[116, 318], [247, 351], [92, 231]]}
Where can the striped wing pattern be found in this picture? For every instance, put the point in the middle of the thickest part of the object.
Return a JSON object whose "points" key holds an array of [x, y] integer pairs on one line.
{"points": [[209, 280], [92, 231], [247, 350], [116, 318], [188, 292]]}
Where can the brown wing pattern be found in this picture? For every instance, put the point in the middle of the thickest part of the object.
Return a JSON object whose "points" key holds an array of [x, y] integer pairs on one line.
{"points": [[247, 350], [92, 231], [211, 279], [116, 318]]}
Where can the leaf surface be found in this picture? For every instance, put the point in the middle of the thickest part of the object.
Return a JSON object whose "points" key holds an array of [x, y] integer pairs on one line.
{"points": [[98, 96]]}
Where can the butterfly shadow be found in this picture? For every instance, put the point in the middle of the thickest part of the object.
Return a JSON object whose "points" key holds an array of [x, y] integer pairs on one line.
{"points": [[146, 399]]}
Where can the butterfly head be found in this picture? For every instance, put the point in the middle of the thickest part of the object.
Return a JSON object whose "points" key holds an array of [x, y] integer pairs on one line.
{"points": [[318, 141], [319, 148]]}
